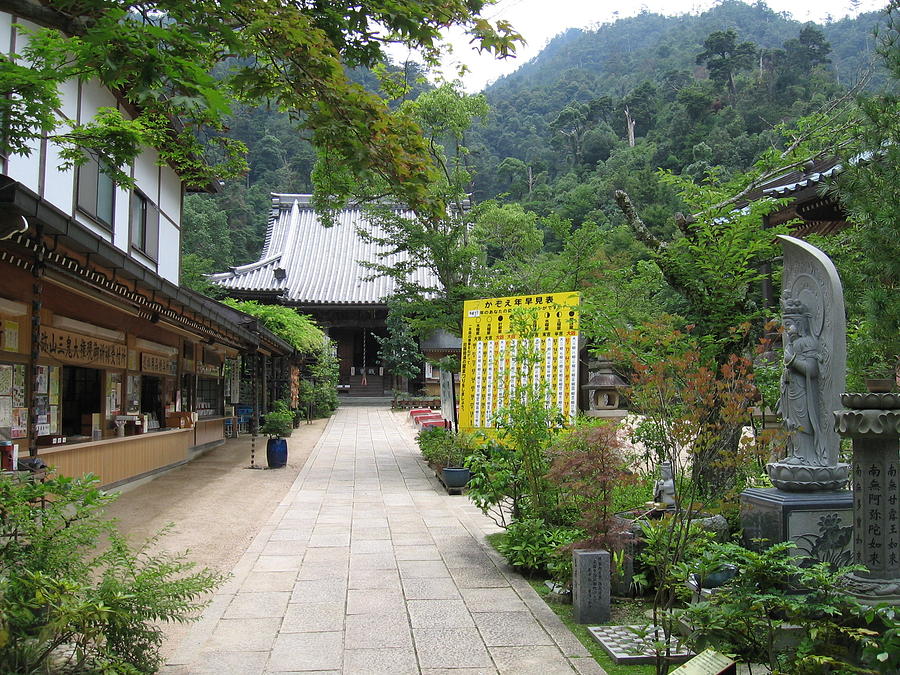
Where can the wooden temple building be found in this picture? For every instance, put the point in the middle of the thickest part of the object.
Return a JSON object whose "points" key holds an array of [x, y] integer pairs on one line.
{"points": [[810, 208], [320, 271]]}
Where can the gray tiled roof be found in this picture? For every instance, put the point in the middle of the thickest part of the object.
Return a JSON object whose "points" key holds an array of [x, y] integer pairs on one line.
{"points": [[306, 263]]}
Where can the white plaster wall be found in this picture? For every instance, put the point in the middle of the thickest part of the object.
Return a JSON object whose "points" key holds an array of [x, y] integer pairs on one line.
{"points": [[93, 227], [59, 186], [170, 195], [69, 99], [120, 216], [5, 32], [169, 250], [146, 174], [93, 97], [144, 260], [27, 168]]}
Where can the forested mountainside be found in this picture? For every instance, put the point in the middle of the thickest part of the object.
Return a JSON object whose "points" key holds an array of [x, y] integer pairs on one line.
{"points": [[565, 109], [698, 91]]}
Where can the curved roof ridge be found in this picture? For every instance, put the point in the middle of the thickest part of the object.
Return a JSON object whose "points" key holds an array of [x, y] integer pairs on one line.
{"points": [[249, 267]]}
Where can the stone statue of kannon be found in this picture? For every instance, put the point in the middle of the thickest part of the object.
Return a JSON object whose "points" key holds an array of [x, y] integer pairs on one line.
{"points": [[814, 370]]}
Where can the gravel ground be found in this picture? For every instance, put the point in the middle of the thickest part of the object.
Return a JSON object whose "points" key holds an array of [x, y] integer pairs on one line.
{"points": [[215, 504]]}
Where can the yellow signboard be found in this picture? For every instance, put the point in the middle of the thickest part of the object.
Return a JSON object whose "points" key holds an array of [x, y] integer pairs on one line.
{"points": [[497, 332]]}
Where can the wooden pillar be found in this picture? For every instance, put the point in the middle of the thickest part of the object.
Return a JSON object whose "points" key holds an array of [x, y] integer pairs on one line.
{"points": [[37, 304]]}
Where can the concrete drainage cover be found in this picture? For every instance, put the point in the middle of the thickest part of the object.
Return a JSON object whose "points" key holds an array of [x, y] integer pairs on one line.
{"points": [[634, 644]]}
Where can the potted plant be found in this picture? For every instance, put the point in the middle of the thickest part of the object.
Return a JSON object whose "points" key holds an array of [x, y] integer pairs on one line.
{"points": [[445, 452], [277, 425], [459, 446]]}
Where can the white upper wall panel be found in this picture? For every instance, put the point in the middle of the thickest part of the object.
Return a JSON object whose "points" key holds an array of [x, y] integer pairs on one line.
{"points": [[59, 186], [170, 195], [146, 174], [169, 249]]}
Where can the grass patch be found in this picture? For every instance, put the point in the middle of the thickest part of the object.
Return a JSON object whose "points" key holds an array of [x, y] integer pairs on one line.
{"points": [[623, 612]]}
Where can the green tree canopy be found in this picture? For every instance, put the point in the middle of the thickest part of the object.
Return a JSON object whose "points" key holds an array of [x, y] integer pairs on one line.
{"points": [[724, 56], [159, 57]]}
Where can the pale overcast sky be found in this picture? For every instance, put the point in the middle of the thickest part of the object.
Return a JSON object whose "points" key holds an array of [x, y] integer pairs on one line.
{"points": [[540, 20]]}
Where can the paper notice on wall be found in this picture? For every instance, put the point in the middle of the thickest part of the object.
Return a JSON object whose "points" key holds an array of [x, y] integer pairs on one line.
{"points": [[54, 385], [6, 414], [6, 380], [41, 379], [19, 427], [10, 336], [41, 409], [18, 389]]}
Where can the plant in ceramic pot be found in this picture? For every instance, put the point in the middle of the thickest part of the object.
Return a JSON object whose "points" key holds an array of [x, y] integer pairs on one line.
{"points": [[277, 425], [459, 447]]}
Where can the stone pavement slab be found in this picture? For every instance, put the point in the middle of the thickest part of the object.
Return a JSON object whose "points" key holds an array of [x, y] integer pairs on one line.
{"points": [[368, 566]]}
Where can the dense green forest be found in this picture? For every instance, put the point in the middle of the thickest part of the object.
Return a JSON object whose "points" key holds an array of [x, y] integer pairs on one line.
{"points": [[556, 136], [579, 166]]}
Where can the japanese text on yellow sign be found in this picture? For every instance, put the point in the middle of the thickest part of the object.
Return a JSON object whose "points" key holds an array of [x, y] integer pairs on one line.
{"points": [[496, 331]]}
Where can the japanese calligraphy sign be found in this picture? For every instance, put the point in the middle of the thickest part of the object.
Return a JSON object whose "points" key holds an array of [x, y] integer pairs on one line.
{"points": [[208, 370], [74, 348], [496, 331], [154, 363]]}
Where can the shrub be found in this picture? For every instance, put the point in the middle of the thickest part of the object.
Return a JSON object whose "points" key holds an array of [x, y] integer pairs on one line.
{"points": [[587, 467], [433, 442], [280, 422], [64, 608], [532, 546], [443, 448], [497, 485], [748, 615]]}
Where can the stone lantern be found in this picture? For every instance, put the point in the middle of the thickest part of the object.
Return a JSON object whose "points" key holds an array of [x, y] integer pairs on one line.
{"points": [[602, 396]]}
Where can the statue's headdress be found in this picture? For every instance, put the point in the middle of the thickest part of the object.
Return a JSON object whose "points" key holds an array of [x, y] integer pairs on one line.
{"points": [[793, 307]]}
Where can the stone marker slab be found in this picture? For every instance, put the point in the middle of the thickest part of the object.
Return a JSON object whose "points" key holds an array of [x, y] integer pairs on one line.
{"points": [[590, 586]]}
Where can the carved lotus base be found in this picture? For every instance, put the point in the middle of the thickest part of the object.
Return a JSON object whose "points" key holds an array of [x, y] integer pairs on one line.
{"points": [[802, 478]]}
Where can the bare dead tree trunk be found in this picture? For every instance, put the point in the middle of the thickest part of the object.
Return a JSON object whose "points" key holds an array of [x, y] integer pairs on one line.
{"points": [[629, 124]]}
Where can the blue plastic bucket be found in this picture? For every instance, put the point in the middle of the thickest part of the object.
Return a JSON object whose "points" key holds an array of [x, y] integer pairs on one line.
{"points": [[276, 452]]}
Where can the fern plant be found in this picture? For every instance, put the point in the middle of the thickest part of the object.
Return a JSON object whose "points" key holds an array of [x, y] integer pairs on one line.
{"points": [[64, 608]]}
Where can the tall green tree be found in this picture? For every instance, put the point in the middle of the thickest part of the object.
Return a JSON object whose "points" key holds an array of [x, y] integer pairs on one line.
{"points": [[443, 246], [725, 57]]}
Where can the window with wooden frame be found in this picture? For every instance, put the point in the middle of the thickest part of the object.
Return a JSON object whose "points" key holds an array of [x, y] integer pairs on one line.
{"points": [[96, 193], [144, 225]]}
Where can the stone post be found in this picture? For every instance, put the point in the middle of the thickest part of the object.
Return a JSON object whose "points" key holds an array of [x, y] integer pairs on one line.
{"points": [[872, 421], [590, 586]]}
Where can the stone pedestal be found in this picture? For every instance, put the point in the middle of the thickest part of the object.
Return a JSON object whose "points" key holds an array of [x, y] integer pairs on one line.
{"points": [[590, 586], [819, 523], [873, 422]]}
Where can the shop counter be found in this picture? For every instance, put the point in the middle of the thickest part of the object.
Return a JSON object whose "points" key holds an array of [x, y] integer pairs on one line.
{"points": [[209, 430], [118, 459]]}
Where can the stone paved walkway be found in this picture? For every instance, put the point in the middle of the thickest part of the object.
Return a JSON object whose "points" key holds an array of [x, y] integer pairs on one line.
{"points": [[368, 566]]}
